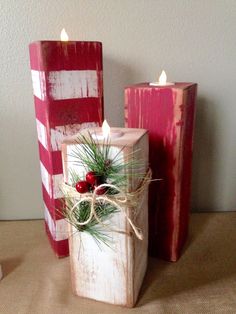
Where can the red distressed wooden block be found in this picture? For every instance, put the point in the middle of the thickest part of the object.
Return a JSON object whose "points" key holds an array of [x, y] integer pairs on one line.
{"points": [[168, 113], [68, 95]]}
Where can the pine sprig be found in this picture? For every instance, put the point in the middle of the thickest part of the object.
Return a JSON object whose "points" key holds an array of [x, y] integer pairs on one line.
{"points": [[112, 170], [93, 157], [81, 213]]}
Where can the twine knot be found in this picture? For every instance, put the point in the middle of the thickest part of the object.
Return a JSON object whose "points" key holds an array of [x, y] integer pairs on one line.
{"points": [[120, 200]]}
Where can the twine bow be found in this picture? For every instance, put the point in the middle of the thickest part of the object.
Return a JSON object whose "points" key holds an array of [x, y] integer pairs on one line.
{"points": [[120, 200]]}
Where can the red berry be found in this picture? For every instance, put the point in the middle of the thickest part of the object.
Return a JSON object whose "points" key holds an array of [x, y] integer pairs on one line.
{"points": [[82, 186], [91, 177], [102, 190]]}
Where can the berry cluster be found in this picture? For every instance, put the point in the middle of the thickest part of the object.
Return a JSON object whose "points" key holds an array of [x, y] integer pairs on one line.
{"points": [[92, 180]]}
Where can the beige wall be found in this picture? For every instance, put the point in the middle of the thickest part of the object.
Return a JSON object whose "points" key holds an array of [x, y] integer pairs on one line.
{"points": [[192, 40]]}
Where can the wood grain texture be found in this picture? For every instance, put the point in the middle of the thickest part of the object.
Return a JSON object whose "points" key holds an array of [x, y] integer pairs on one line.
{"points": [[68, 95], [168, 114], [113, 275]]}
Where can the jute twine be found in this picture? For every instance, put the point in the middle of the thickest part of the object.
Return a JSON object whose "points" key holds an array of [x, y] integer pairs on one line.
{"points": [[121, 200]]}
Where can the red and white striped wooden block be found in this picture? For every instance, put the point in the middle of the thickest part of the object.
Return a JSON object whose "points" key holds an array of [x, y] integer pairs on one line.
{"points": [[168, 114], [68, 96]]}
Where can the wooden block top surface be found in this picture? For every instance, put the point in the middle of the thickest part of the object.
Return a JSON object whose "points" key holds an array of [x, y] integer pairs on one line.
{"points": [[177, 85], [59, 43], [130, 137]]}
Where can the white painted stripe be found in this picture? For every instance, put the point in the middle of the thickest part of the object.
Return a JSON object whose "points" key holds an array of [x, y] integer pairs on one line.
{"points": [[58, 228], [42, 134], [60, 132], [73, 84], [57, 181], [39, 84], [54, 189], [45, 178]]}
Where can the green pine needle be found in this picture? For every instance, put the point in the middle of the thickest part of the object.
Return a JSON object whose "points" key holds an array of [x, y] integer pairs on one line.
{"points": [[94, 157]]}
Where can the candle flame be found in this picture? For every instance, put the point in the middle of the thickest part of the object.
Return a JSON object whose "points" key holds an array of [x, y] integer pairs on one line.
{"points": [[106, 129], [64, 36], [162, 78]]}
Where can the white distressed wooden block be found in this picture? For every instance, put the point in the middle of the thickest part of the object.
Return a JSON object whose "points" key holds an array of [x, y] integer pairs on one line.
{"points": [[113, 275]]}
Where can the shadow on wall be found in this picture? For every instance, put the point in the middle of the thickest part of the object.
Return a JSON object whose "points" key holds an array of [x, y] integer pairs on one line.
{"points": [[117, 75], [18, 130], [205, 150]]}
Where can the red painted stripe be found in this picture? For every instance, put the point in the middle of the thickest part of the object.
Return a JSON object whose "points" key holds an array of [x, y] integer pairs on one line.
{"points": [[72, 111], [72, 55], [61, 248], [54, 206], [69, 111], [44, 157], [48, 202], [52, 161], [41, 110]]}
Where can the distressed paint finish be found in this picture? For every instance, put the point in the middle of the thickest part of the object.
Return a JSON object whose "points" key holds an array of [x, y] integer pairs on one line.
{"points": [[113, 275], [68, 96], [58, 134], [58, 229], [168, 114], [73, 84]]}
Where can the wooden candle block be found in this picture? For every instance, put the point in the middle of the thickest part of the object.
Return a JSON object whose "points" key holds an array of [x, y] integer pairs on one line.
{"points": [[111, 274], [168, 113], [68, 96]]}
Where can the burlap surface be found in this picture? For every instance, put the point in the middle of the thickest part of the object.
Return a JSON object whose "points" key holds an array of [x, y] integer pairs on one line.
{"points": [[202, 281]]}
